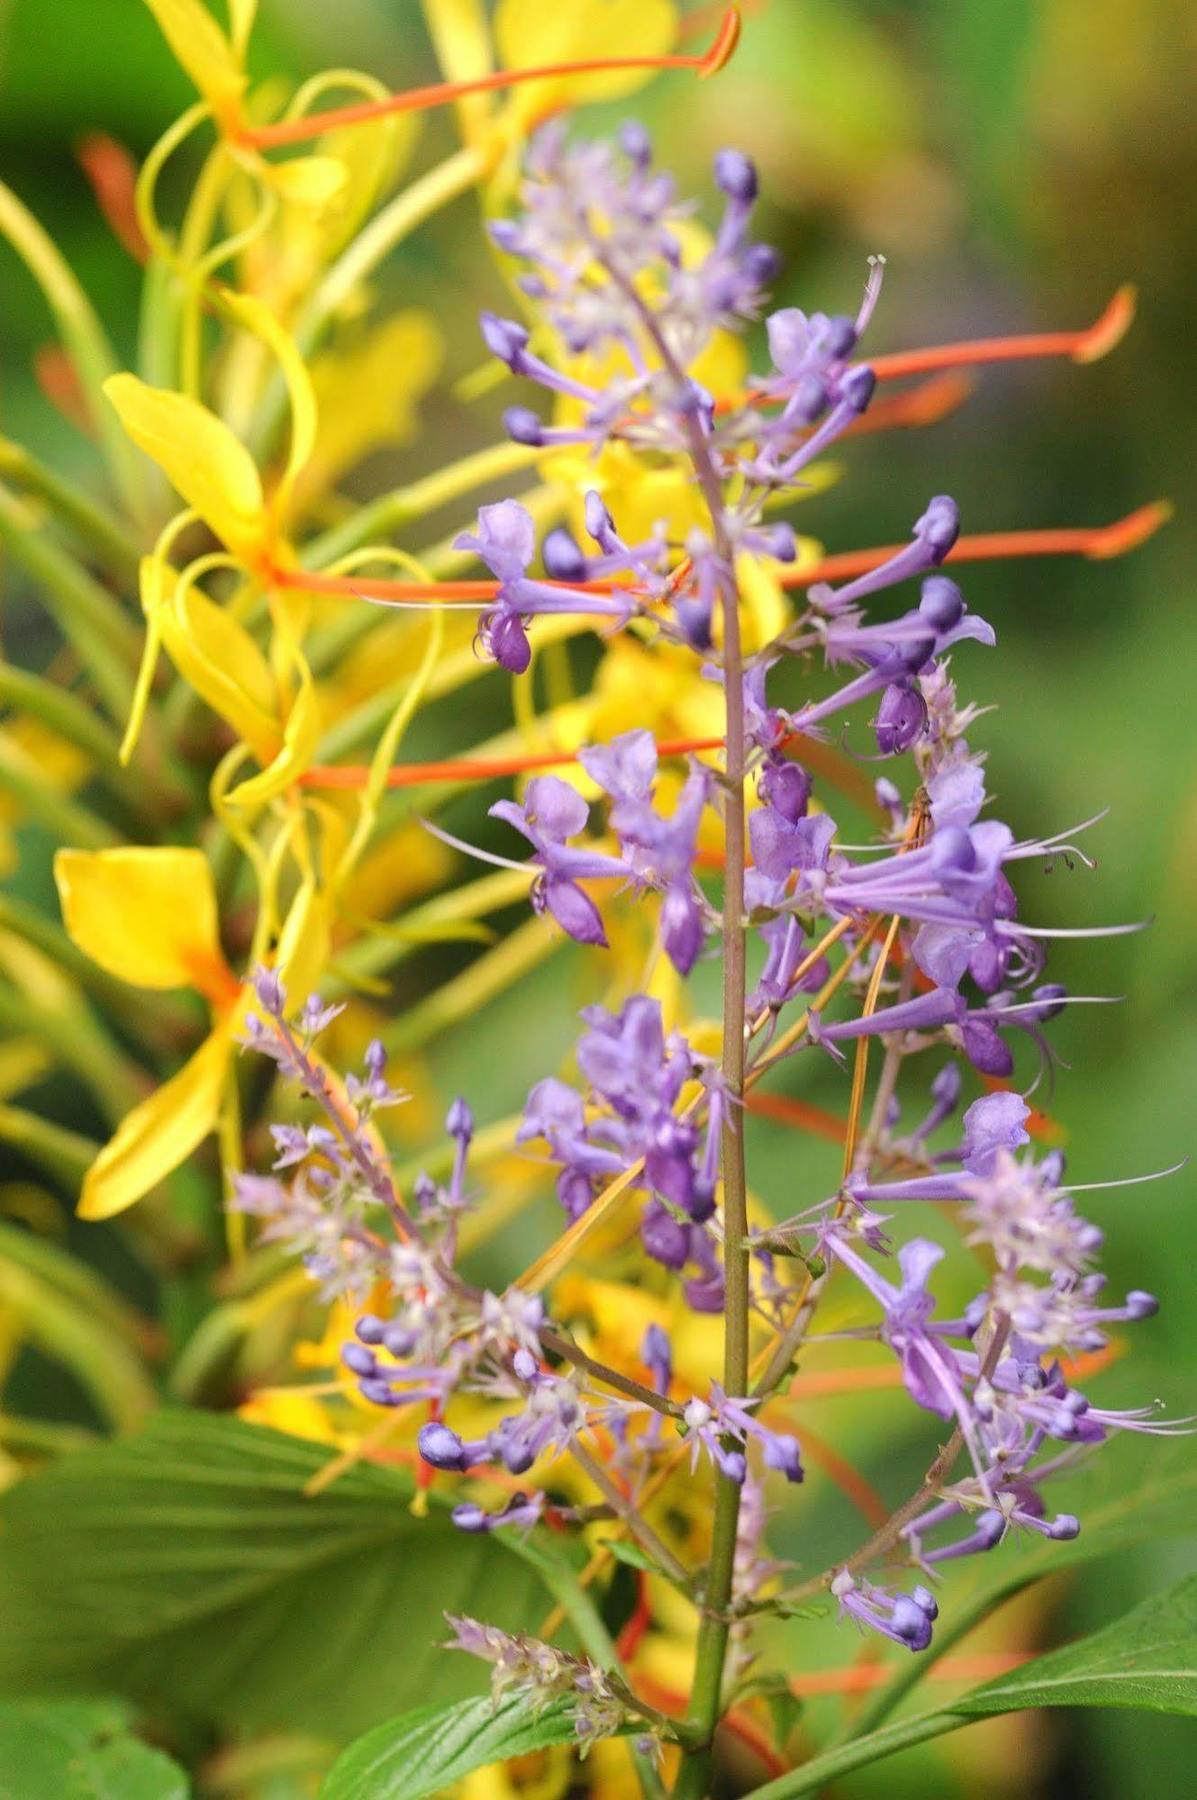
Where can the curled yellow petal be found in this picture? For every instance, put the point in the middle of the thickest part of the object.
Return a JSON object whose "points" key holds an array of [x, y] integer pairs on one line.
{"points": [[298, 748], [204, 52], [259, 319], [147, 915], [218, 658], [314, 181], [200, 457], [159, 1134], [530, 33]]}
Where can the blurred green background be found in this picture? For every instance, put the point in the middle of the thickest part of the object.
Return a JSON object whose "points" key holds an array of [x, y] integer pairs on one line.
{"points": [[1015, 161]]}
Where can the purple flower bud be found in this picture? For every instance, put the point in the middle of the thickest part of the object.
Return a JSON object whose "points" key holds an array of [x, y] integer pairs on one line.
{"points": [[574, 911], [469, 1516], [358, 1359], [682, 930], [1141, 1305], [508, 642], [761, 265], [524, 1365], [272, 996], [523, 426], [736, 174], [666, 1240], [856, 389], [1063, 1527], [504, 339], [942, 603], [375, 1059], [779, 541], [399, 1340], [985, 1049], [939, 526], [562, 556], [459, 1120], [370, 1328], [379, 1392], [1049, 1001], [442, 1447], [599, 522], [635, 143], [901, 719]]}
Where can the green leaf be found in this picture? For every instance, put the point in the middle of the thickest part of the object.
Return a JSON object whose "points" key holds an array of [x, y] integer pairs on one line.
{"points": [[186, 1569], [425, 1751], [80, 1750], [1148, 1659]]}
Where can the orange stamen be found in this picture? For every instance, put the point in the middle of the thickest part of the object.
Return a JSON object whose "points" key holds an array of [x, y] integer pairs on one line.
{"points": [[630, 1638], [1085, 346], [58, 380], [1096, 542], [862, 1676], [825, 1384], [444, 93], [926, 404], [112, 173], [801, 1113]]}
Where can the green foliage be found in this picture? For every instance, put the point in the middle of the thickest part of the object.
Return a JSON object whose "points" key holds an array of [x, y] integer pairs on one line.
{"points": [[422, 1752], [1146, 1660], [186, 1567], [81, 1750]]}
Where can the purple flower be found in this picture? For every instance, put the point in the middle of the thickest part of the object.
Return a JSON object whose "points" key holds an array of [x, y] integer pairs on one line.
{"points": [[552, 812], [904, 1618]]}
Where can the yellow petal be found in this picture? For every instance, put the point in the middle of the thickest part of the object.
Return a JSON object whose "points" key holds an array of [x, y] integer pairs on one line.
{"points": [[366, 395], [160, 1133], [147, 915], [314, 181], [216, 655], [298, 748], [531, 32], [203, 50], [200, 457], [259, 319]]}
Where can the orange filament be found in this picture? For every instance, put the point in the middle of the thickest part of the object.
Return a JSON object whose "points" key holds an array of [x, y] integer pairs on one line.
{"points": [[58, 379], [1085, 346], [800, 1113], [926, 404], [112, 173], [443, 93], [851, 1483], [1096, 542], [861, 1677]]}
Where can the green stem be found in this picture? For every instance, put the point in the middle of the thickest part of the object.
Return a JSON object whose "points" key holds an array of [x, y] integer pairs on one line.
{"points": [[104, 534]]}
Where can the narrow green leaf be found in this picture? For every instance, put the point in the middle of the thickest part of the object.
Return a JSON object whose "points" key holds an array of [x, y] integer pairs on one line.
{"points": [[424, 1752], [81, 1750]]}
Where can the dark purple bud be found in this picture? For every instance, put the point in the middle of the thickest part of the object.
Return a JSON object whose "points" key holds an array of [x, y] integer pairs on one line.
{"points": [[375, 1059], [926, 1602], [506, 234], [939, 526], [574, 911], [441, 1446], [378, 1392], [517, 1457], [786, 787], [946, 1087], [990, 1529], [779, 541], [915, 652], [370, 1328], [952, 851], [942, 603], [424, 1190], [562, 556], [838, 337], [360, 1360], [694, 622], [856, 389], [732, 1463], [761, 264], [985, 1049], [399, 1340], [656, 1354], [1064, 1526], [736, 174], [1140, 1305], [272, 996], [910, 1623], [599, 522], [635, 143], [504, 339], [666, 1240], [508, 642], [782, 1453], [701, 1206], [1049, 1001], [901, 719], [682, 930], [808, 399], [459, 1121], [470, 1517], [523, 426]]}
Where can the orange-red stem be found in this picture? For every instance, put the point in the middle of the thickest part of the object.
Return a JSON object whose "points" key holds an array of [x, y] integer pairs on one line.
{"points": [[444, 93]]}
